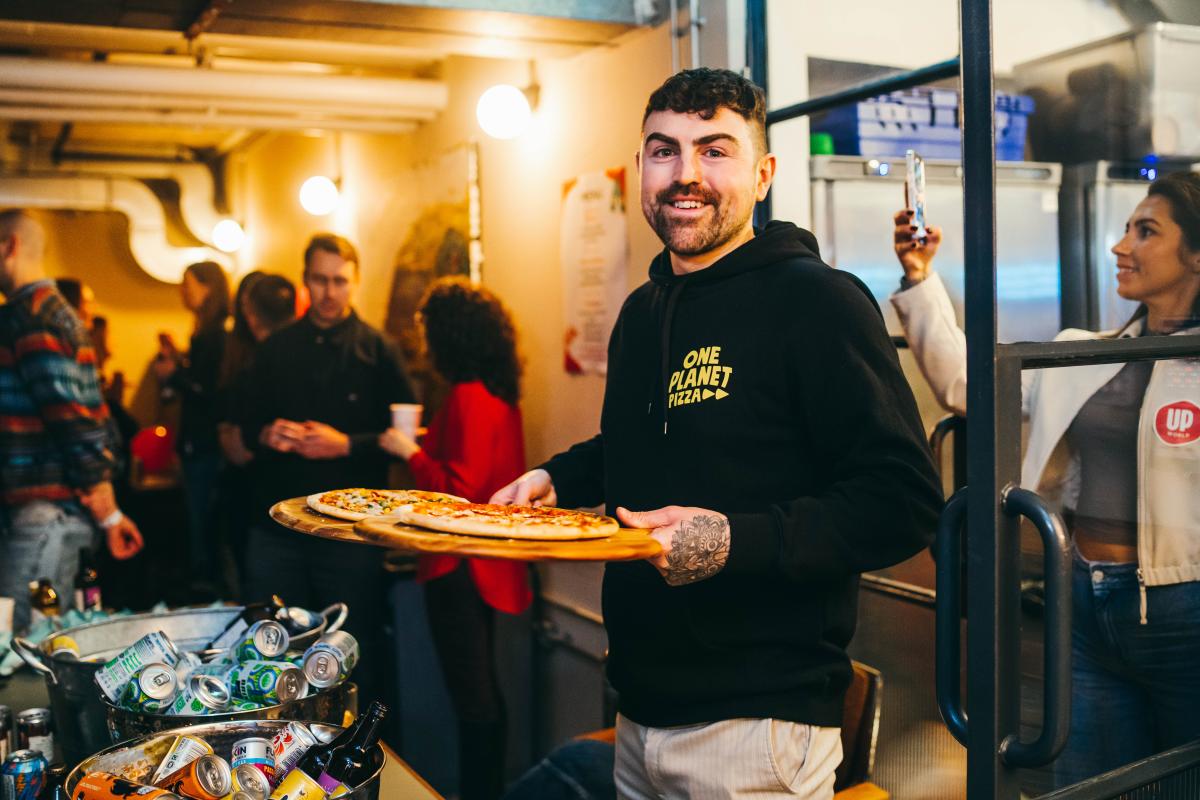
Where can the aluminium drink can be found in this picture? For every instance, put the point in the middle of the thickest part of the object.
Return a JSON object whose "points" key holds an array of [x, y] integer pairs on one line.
{"points": [[254, 752], [184, 750], [106, 786], [34, 733], [6, 732], [262, 641], [206, 778], [201, 695], [23, 775], [267, 682], [240, 794], [152, 689], [330, 660], [288, 746], [250, 779], [299, 785], [153, 648]]}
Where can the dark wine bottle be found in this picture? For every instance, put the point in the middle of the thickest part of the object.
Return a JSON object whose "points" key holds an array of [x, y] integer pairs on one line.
{"points": [[87, 583], [253, 612], [350, 763], [316, 758]]}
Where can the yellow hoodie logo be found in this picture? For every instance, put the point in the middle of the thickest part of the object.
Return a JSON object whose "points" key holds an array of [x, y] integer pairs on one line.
{"points": [[703, 377]]}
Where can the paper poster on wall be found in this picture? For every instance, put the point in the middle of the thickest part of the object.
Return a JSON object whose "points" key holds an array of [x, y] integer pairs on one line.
{"points": [[595, 254]]}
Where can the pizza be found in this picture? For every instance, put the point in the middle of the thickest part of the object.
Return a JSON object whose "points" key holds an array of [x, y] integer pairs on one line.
{"points": [[509, 522], [356, 504]]}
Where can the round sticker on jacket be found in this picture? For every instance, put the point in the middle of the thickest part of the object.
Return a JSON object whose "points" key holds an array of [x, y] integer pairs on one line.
{"points": [[1178, 423]]}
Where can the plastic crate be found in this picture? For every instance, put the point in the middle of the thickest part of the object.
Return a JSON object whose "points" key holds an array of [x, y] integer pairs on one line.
{"points": [[925, 120]]}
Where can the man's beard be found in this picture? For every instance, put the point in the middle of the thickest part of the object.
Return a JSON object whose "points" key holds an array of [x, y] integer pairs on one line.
{"points": [[693, 237]]}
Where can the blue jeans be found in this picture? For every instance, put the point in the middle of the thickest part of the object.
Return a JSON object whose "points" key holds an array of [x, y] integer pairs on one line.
{"points": [[42, 540], [1134, 688], [578, 770]]}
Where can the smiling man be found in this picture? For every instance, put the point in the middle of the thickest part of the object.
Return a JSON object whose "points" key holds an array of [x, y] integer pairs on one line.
{"points": [[756, 419]]}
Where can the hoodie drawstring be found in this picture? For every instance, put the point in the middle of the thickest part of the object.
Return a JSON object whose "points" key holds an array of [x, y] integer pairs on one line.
{"points": [[665, 347]]}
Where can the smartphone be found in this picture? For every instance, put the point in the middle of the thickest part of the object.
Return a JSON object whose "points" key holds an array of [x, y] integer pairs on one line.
{"points": [[914, 191]]}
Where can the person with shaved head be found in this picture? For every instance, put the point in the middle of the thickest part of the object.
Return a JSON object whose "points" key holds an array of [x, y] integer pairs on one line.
{"points": [[56, 442]]}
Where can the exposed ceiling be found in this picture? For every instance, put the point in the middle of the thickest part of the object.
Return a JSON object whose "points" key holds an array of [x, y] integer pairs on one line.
{"points": [[110, 64]]}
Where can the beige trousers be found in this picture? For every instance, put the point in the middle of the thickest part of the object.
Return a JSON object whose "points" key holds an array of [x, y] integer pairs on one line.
{"points": [[733, 759]]}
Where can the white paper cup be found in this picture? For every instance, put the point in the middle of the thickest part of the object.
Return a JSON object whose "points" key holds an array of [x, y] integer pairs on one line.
{"points": [[407, 417]]}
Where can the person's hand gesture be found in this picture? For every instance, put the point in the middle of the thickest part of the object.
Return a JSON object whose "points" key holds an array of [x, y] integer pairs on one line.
{"points": [[915, 255], [123, 538], [534, 488], [695, 541], [322, 441], [398, 443]]}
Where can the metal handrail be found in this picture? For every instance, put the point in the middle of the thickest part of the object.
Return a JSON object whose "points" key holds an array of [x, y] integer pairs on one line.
{"points": [[1036, 355], [948, 651], [863, 91], [1056, 653]]}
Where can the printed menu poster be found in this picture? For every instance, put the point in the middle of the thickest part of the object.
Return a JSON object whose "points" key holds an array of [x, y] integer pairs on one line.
{"points": [[595, 255]]}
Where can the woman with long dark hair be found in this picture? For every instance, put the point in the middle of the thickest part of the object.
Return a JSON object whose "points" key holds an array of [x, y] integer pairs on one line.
{"points": [[193, 376], [473, 447], [1132, 432]]}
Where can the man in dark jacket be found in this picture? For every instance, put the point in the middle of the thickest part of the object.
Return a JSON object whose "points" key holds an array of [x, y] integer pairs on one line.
{"points": [[756, 419], [317, 398]]}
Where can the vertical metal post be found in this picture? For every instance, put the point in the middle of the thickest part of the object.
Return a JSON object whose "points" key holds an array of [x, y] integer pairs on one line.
{"points": [[993, 428], [756, 60]]}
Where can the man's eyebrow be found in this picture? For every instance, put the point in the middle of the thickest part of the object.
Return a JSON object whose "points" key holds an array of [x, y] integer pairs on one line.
{"points": [[717, 137], [661, 137], [1143, 220]]}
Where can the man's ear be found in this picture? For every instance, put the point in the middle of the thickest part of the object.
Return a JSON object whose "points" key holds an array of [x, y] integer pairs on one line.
{"points": [[764, 175]]}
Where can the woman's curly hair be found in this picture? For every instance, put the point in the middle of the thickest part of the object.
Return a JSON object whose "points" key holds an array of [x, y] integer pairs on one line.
{"points": [[470, 336]]}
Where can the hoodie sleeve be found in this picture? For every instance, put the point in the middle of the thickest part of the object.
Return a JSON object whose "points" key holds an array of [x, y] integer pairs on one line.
{"points": [[880, 502], [578, 474]]}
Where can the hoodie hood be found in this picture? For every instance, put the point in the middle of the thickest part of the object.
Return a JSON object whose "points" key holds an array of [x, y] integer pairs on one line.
{"points": [[778, 241]]}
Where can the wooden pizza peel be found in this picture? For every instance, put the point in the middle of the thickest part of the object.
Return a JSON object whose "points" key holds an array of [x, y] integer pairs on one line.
{"points": [[627, 544]]}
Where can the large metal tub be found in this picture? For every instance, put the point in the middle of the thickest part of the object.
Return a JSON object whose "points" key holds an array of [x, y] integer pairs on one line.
{"points": [[222, 735], [80, 715], [328, 705]]}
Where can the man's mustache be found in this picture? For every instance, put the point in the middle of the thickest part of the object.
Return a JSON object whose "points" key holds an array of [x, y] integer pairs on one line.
{"points": [[690, 191]]}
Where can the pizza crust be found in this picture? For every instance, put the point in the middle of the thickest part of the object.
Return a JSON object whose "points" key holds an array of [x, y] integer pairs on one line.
{"points": [[402, 495], [571, 525]]}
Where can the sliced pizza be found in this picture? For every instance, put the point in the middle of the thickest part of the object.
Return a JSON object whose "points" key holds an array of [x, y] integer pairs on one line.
{"points": [[508, 522], [356, 504]]}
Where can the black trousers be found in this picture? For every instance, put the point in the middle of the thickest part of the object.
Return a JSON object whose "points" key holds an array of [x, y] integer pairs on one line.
{"points": [[463, 629]]}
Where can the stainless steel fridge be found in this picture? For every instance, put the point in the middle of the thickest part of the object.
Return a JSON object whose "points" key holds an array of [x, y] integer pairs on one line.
{"points": [[1096, 200]]}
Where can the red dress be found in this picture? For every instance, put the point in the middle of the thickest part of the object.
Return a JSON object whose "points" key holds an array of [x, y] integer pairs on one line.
{"points": [[474, 447]]}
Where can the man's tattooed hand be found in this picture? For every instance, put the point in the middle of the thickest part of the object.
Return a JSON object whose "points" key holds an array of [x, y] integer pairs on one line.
{"points": [[699, 549]]}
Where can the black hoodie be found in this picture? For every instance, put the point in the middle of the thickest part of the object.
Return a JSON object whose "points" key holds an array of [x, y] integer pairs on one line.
{"points": [[764, 387]]}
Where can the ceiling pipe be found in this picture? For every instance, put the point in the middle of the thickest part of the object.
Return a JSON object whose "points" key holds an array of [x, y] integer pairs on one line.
{"points": [[149, 102], [197, 198], [199, 119], [92, 76], [141, 40], [147, 221]]}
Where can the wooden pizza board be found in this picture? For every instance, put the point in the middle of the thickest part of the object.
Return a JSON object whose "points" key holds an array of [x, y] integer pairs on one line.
{"points": [[627, 545]]}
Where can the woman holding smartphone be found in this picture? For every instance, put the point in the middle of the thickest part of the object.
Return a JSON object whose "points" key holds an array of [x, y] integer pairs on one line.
{"points": [[474, 446], [1132, 433]]}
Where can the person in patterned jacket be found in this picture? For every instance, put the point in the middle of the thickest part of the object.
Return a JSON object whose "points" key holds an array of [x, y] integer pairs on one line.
{"points": [[56, 443]]}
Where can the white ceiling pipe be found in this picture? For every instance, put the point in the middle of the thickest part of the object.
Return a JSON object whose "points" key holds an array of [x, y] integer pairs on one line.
{"points": [[147, 221], [42, 73], [140, 40], [197, 198], [201, 120], [45, 97]]}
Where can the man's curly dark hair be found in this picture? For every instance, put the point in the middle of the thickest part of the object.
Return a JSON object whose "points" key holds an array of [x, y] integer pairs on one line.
{"points": [[704, 91], [471, 337]]}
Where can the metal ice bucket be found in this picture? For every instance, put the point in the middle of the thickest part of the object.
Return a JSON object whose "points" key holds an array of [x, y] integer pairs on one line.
{"points": [[328, 705], [80, 716], [222, 735]]}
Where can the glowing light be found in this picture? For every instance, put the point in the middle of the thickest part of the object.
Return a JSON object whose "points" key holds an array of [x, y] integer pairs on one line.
{"points": [[228, 236], [503, 111], [319, 195], [160, 431]]}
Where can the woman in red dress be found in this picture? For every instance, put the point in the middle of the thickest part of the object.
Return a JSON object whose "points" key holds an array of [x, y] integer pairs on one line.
{"points": [[474, 446]]}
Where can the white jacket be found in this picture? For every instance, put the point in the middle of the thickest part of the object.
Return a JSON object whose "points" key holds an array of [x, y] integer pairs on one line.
{"points": [[1169, 427]]}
